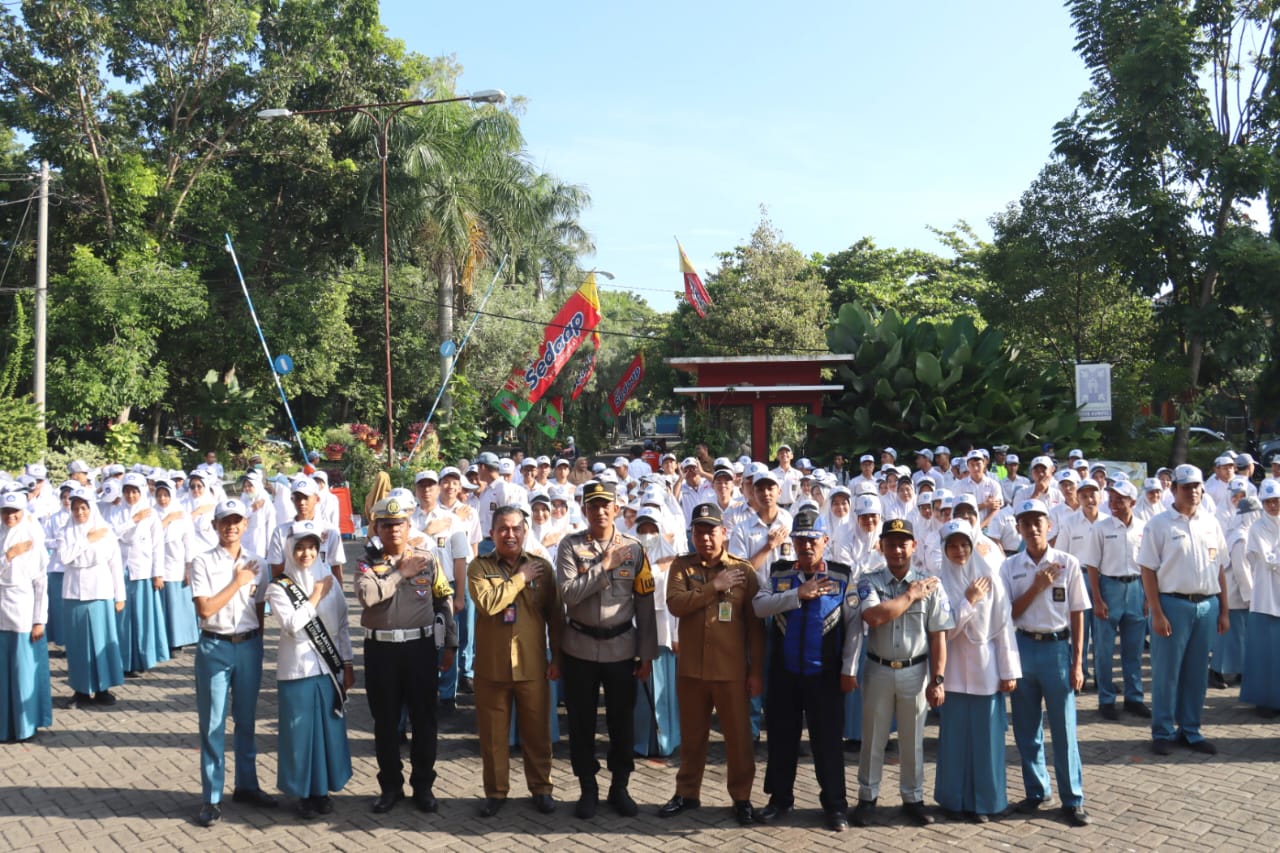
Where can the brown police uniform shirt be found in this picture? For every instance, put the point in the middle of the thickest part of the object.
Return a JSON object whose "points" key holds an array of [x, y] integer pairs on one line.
{"points": [[390, 600], [607, 585], [715, 644], [514, 620]]}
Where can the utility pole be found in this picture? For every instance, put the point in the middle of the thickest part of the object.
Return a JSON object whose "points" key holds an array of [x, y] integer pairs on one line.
{"points": [[42, 291]]}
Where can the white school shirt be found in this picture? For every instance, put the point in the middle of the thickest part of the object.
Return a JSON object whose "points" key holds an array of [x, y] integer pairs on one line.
{"points": [[1113, 547], [179, 544], [788, 484], [978, 657], [211, 571], [260, 524], [331, 550], [24, 597], [53, 527], [296, 657], [752, 534], [92, 571], [660, 549], [141, 542], [1046, 614], [1185, 553]]}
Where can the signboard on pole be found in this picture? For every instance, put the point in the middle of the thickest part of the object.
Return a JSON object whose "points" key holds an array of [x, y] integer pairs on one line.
{"points": [[1093, 391]]}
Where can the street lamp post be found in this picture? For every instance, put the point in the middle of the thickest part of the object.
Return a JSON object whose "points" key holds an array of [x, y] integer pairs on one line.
{"points": [[382, 114]]}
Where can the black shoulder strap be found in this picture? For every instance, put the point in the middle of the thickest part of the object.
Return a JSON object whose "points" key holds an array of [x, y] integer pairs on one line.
{"points": [[321, 642]]}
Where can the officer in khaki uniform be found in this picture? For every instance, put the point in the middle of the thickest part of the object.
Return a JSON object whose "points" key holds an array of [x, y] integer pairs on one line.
{"points": [[611, 640], [518, 608], [721, 662], [407, 602]]}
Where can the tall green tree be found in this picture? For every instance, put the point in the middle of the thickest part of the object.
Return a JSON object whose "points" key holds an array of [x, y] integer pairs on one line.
{"points": [[1059, 295], [1181, 123]]}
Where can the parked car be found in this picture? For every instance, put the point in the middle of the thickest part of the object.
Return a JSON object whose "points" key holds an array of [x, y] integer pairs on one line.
{"points": [[1197, 435]]}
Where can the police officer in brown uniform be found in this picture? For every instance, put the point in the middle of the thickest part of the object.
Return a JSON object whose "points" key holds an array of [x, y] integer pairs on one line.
{"points": [[721, 662], [407, 602], [518, 616], [611, 641]]}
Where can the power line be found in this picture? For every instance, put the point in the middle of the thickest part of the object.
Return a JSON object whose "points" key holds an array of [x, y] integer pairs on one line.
{"points": [[16, 237]]}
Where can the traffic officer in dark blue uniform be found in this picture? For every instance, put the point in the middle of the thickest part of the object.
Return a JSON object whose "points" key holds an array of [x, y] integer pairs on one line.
{"points": [[817, 636]]}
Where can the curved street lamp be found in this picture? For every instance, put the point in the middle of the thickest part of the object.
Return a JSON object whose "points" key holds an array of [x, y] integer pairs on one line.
{"points": [[382, 114]]}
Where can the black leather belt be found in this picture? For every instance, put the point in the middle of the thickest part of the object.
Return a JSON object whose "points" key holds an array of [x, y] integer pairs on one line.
{"points": [[1122, 578], [1194, 598], [231, 638], [897, 664], [600, 633], [1047, 636]]}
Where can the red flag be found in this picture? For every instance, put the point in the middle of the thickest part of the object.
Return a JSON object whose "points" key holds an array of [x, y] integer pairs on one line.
{"points": [[627, 384], [564, 334], [694, 293], [584, 375]]}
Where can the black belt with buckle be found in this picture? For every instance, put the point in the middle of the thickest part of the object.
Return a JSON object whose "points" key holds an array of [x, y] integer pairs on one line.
{"points": [[897, 664], [1047, 636], [600, 633], [1194, 597], [1122, 578], [231, 638]]}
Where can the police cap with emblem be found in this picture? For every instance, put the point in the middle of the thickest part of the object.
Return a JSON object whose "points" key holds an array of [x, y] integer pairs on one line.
{"points": [[390, 509], [598, 491], [708, 513], [897, 527]]}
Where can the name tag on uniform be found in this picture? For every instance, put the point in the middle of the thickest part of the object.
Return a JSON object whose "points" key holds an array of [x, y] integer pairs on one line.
{"points": [[698, 578], [492, 506], [1213, 553], [785, 548], [624, 573], [1018, 576], [440, 541], [725, 611], [1059, 593], [509, 615]]}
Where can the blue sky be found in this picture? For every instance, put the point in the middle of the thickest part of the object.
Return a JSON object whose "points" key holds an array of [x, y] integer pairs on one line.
{"points": [[846, 119]]}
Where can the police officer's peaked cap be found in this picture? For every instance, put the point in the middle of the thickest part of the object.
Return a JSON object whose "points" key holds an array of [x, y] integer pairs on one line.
{"points": [[708, 513], [390, 509], [598, 491], [897, 527]]}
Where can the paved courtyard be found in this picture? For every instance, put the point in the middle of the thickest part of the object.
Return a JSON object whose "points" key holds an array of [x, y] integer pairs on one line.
{"points": [[127, 778]]}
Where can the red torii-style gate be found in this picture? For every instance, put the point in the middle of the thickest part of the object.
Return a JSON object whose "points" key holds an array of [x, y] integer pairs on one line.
{"points": [[759, 381]]}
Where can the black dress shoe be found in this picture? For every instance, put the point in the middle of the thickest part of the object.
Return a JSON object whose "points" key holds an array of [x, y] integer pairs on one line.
{"points": [[1108, 711], [254, 797], [323, 805], [544, 803], [491, 806], [1161, 746], [771, 813], [465, 685], [678, 804], [387, 801], [209, 814], [1076, 815], [426, 802], [852, 745], [1204, 747], [621, 801], [861, 814], [1030, 805], [836, 821], [306, 809], [1216, 680], [1138, 709], [80, 701], [104, 697], [744, 813], [133, 673], [917, 814], [974, 817]]}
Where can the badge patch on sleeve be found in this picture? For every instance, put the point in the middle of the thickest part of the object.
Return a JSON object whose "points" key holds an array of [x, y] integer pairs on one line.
{"points": [[643, 584], [864, 589]]}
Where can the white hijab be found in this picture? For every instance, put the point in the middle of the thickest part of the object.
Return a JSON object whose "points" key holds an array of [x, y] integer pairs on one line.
{"points": [[994, 611]]}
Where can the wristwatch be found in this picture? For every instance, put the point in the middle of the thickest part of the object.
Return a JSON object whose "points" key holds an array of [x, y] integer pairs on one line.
{"points": [[937, 679]]}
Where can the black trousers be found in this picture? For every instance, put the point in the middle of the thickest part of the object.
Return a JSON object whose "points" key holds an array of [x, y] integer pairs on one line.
{"points": [[582, 682], [791, 700], [403, 675]]}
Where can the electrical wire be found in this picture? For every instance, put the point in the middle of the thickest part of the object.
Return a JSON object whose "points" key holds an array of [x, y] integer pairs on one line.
{"points": [[16, 237]]}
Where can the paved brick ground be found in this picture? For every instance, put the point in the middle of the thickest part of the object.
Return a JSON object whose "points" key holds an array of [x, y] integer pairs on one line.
{"points": [[127, 778]]}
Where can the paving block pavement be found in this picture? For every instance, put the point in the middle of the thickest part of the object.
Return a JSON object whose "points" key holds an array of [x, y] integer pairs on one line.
{"points": [[126, 778]]}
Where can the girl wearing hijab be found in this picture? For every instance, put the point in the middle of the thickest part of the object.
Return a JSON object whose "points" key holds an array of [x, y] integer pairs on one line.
{"points": [[840, 523], [657, 716], [1229, 653], [1261, 685], [982, 663], [25, 700], [199, 504], [93, 578], [141, 625], [313, 659], [181, 628]]}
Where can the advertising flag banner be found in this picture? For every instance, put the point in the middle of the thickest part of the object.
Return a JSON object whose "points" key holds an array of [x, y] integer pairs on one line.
{"points": [[564, 334], [627, 385], [584, 375], [552, 416], [694, 293]]}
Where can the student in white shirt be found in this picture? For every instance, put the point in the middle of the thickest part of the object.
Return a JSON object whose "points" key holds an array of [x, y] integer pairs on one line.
{"points": [[1261, 685], [26, 703], [313, 673], [144, 641], [179, 549]]}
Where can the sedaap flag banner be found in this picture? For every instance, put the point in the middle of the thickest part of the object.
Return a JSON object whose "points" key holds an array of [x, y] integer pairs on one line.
{"points": [[526, 385], [694, 293], [627, 385]]}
